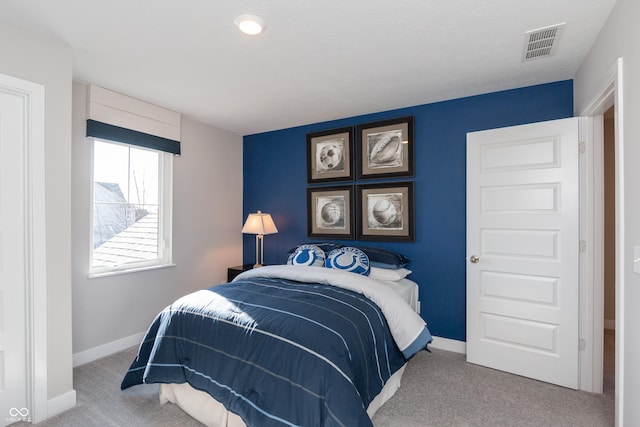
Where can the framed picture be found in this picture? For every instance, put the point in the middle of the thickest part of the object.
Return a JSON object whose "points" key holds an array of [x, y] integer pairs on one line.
{"points": [[330, 212], [385, 148], [329, 155], [385, 212]]}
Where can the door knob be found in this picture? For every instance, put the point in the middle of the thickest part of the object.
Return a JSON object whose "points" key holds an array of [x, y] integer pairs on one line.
{"points": [[474, 259]]}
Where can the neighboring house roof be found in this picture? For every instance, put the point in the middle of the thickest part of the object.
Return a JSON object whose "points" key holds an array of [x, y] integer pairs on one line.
{"points": [[112, 213], [137, 242], [112, 189], [121, 233]]}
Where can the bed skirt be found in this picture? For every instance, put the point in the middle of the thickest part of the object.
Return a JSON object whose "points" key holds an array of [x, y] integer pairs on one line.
{"points": [[212, 413]]}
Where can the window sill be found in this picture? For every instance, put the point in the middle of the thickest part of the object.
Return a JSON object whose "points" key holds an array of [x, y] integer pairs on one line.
{"points": [[128, 270]]}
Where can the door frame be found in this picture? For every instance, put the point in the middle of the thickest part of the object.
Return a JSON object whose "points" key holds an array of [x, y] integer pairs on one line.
{"points": [[592, 222], [35, 243]]}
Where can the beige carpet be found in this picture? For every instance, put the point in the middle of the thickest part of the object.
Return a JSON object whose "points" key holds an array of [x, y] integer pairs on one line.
{"points": [[438, 389], [441, 389]]}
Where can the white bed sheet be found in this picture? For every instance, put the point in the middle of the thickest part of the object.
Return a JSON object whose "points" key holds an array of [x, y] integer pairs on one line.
{"points": [[408, 290]]}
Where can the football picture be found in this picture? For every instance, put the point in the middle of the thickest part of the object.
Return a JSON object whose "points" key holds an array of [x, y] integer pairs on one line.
{"points": [[385, 149]]}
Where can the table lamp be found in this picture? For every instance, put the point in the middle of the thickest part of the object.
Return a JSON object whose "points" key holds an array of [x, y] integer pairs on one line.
{"points": [[259, 224]]}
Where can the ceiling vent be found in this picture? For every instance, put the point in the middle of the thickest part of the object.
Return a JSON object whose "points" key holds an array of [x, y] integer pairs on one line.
{"points": [[542, 42]]}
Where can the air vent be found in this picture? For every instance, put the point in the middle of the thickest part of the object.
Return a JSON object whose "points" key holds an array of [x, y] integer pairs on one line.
{"points": [[542, 42]]}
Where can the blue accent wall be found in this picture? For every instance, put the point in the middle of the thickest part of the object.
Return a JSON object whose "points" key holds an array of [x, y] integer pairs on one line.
{"points": [[275, 181]]}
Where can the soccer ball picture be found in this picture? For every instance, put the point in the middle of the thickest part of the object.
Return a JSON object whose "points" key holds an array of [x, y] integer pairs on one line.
{"points": [[330, 156]]}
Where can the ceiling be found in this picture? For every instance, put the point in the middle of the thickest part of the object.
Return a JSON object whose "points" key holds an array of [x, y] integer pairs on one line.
{"points": [[317, 60]]}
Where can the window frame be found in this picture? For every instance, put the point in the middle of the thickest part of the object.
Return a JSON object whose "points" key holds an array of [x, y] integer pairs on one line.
{"points": [[165, 217]]}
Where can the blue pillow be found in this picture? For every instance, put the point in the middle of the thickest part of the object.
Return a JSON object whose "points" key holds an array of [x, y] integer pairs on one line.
{"points": [[310, 255], [383, 258], [349, 259], [325, 246]]}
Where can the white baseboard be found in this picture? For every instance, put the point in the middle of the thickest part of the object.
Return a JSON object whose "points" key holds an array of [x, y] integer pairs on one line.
{"points": [[449, 345], [610, 324], [62, 403], [107, 349]]}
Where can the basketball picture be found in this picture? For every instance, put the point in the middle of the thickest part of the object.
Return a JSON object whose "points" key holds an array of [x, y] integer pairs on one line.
{"points": [[330, 212]]}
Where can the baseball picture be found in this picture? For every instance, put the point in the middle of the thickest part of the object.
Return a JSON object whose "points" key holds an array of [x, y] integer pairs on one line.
{"points": [[385, 211]]}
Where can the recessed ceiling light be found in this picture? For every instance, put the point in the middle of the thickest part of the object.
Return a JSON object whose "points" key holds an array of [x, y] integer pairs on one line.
{"points": [[250, 24]]}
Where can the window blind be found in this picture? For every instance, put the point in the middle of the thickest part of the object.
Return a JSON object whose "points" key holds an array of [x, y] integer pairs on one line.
{"points": [[117, 117]]}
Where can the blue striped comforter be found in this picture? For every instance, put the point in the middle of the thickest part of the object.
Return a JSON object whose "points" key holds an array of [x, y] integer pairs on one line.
{"points": [[274, 351]]}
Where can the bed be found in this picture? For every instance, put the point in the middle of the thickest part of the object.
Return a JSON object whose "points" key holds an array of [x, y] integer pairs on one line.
{"points": [[284, 345]]}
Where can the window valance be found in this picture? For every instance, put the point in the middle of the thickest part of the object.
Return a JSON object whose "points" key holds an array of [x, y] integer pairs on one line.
{"points": [[117, 117]]}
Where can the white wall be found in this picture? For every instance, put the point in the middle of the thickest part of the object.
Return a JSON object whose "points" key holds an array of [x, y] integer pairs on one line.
{"points": [[207, 212], [619, 38], [48, 62]]}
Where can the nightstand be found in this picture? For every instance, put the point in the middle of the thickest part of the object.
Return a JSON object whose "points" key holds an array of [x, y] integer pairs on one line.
{"points": [[232, 272]]}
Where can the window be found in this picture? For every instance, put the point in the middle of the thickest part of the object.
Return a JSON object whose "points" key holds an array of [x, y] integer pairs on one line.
{"points": [[131, 208]]}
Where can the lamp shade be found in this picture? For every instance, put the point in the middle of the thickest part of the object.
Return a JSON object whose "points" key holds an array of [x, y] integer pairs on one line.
{"points": [[259, 223]]}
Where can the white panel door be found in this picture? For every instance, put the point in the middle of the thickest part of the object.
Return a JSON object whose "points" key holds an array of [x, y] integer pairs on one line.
{"points": [[13, 378], [523, 250]]}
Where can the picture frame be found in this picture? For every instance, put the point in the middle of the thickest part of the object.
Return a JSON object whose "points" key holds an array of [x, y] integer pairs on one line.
{"points": [[385, 148], [330, 212], [330, 155], [386, 212]]}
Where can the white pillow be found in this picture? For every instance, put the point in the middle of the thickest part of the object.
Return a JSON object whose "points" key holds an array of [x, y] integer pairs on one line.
{"points": [[310, 255], [348, 259], [389, 274]]}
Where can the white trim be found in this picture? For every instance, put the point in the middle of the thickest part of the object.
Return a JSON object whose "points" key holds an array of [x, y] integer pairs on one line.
{"points": [[620, 243], [107, 349], [62, 403], [37, 255], [35, 243], [449, 345], [116, 272], [591, 311], [609, 94]]}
